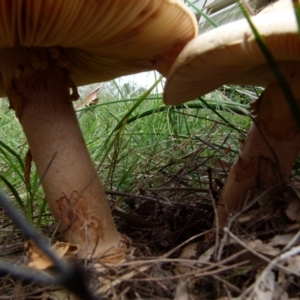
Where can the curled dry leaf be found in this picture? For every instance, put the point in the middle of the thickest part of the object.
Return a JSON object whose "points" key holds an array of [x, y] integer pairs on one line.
{"points": [[267, 288], [27, 167], [190, 252], [261, 247], [273, 247], [90, 99], [281, 240], [39, 260]]}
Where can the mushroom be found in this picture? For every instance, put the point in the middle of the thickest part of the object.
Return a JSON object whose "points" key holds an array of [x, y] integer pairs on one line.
{"points": [[47, 48], [230, 55]]}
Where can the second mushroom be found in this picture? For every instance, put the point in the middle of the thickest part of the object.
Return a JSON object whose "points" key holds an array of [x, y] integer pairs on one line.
{"points": [[230, 55]]}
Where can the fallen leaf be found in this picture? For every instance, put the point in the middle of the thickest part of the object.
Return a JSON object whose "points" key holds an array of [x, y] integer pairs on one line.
{"points": [[260, 247], [190, 252], [39, 260], [281, 240], [267, 288], [90, 99]]}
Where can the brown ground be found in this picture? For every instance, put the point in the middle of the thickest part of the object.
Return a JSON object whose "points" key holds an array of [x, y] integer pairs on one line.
{"points": [[159, 219]]}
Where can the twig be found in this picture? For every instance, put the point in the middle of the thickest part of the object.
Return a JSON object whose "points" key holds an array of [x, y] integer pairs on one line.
{"points": [[176, 189], [213, 147], [272, 263], [26, 273], [228, 284], [113, 193]]}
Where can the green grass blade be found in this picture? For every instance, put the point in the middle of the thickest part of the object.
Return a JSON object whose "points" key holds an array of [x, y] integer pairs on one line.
{"points": [[122, 123], [219, 115], [297, 13], [137, 104], [119, 101], [17, 167], [42, 209], [13, 191], [163, 108], [118, 88], [12, 152], [200, 12]]}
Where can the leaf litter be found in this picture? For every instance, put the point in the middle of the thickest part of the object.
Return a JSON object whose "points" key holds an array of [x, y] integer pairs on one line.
{"points": [[256, 257]]}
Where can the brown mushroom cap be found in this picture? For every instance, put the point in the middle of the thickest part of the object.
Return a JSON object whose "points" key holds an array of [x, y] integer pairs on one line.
{"points": [[230, 55], [101, 39]]}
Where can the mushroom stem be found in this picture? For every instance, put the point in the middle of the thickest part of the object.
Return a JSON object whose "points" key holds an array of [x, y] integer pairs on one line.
{"points": [[38, 85], [268, 152]]}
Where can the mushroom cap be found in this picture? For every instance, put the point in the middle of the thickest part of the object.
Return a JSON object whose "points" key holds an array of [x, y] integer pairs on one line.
{"points": [[101, 39], [230, 55]]}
